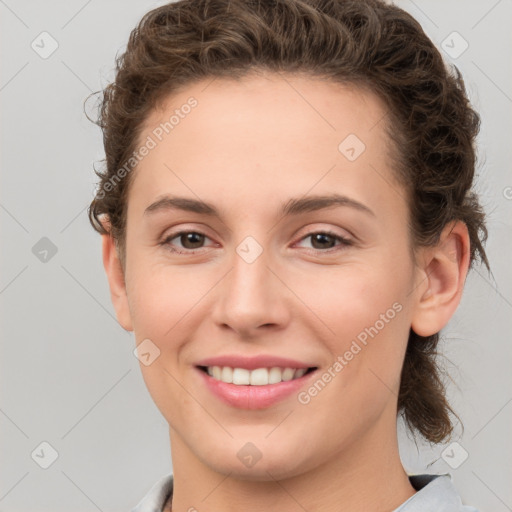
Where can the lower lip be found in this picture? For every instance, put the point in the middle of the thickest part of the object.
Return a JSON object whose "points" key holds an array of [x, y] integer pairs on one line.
{"points": [[253, 397]]}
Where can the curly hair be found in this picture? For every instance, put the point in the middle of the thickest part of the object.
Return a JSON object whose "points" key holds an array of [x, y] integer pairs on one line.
{"points": [[366, 43]]}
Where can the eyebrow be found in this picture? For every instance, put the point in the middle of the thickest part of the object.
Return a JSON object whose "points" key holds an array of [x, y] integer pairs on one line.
{"points": [[295, 206]]}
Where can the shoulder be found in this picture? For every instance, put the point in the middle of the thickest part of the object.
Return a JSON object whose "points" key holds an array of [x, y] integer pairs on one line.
{"points": [[434, 492], [157, 496]]}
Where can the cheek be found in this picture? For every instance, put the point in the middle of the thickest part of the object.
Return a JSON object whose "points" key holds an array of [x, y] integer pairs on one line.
{"points": [[362, 317], [161, 296], [161, 302], [370, 325], [349, 299]]}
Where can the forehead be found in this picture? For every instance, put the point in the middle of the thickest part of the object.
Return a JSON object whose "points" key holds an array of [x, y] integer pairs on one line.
{"points": [[265, 136], [263, 103]]}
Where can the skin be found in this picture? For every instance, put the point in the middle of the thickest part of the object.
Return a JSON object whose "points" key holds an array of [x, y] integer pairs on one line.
{"points": [[247, 148]]}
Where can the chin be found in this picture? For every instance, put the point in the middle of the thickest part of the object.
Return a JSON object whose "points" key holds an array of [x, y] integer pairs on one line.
{"points": [[257, 461]]}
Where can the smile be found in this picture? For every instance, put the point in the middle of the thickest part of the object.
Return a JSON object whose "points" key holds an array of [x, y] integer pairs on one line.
{"points": [[259, 388], [256, 377]]}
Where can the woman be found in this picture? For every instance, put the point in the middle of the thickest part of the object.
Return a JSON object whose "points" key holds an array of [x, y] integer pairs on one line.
{"points": [[287, 223]]}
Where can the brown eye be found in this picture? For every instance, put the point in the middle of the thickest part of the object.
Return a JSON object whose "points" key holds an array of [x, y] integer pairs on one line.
{"points": [[322, 241], [325, 241], [189, 240]]}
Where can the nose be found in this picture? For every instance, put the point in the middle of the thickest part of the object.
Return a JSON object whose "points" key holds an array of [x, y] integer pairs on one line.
{"points": [[251, 297]]}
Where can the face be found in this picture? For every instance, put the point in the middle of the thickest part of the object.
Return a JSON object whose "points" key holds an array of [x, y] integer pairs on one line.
{"points": [[300, 259]]}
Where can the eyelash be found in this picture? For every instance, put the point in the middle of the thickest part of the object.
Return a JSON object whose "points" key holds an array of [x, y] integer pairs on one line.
{"points": [[345, 242]]}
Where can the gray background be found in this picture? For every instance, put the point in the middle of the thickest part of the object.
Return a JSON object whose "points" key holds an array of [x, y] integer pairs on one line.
{"points": [[68, 374]]}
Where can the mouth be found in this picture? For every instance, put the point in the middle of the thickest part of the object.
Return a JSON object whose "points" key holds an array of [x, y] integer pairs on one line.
{"points": [[256, 377], [257, 388]]}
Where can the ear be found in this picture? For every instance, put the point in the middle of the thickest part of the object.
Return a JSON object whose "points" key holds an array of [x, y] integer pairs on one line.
{"points": [[443, 274], [116, 282]]}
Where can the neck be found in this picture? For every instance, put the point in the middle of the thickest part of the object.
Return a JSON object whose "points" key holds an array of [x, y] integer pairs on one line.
{"points": [[368, 475]]}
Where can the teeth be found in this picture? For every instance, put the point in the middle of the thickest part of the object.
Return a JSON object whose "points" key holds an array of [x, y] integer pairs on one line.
{"points": [[288, 374], [258, 377], [274, 375], [240, 376], [226, 374]]}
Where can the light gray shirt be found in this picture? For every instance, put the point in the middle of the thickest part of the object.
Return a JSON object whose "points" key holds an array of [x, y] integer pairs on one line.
{"points": [[435, 493]]}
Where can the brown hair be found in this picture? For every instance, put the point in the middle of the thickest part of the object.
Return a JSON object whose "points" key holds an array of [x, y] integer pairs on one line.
{"points": [[367, 43]]}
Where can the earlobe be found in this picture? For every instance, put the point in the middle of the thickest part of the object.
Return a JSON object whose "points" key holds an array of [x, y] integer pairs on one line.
{"points": [[445, 269], [116, 282]]}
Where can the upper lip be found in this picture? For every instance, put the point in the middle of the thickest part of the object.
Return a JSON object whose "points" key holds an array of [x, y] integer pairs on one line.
{"points": [[251, 363]]}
